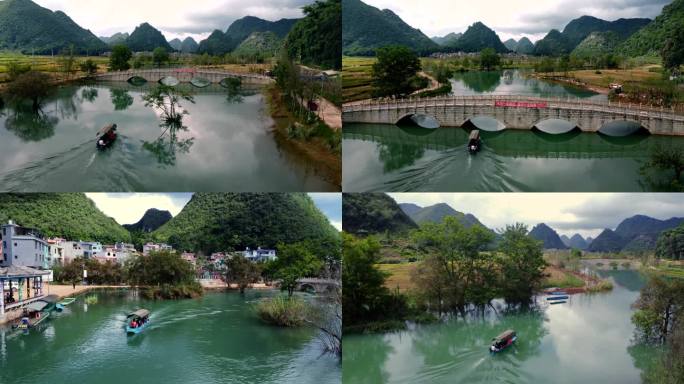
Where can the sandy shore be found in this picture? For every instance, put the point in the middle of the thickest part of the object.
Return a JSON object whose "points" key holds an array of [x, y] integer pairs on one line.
{"points": [[68, 291]]}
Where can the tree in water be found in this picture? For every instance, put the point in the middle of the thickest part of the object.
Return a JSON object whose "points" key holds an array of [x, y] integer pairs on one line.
{"points": [[395, 71], [29, 124], [295, 261], [242, 272], [665, 160], [34, 86], [522, 264], [166, 100]]}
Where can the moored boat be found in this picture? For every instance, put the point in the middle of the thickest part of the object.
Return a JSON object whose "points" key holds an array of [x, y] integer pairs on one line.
{"points": [[34, 314], [558, 302], [503, 341], [66, 301], [557, 297], [137, 321]]}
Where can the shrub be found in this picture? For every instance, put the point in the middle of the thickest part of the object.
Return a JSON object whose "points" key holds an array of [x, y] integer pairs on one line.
{"points": [[283, 311]]}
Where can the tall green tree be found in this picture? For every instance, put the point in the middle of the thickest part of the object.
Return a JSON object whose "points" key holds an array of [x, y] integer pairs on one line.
{"points": [[242, 272], [394, 71], [660, 309], [522, 264], [159, 268], [489, 59], [311, 40], [673, 50], [670, 244], [118, 61], [34, 86], [295, 261], [160, 56]]}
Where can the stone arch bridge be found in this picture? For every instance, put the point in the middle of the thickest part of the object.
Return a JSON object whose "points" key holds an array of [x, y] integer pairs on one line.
{"points": [[319, 286], [184, 75], [515, 112]]}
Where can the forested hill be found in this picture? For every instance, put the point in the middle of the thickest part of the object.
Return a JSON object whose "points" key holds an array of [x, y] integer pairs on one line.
{"points": [[145, 38], [69, 215], [373, 213], [548, 236], [476, 38], [650, 39], [213, 222], [151, 221], [220, 43], [30, 28], [310, 40], [366, 28]]}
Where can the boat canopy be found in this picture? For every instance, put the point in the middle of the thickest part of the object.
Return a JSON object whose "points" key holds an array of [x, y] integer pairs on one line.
{"points": [[106, 129], [52, 299], [505, 335], [475, 134], [36, 306], [141, 313]]}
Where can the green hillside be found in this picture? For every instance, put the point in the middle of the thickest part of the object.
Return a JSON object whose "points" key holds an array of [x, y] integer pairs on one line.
{"points": [[69, 215], [366, 28], [220, 43], [476, 38], [525, 46], [316, 39], [373, 213], [259, 43], [650, 39], [25, 26], [189, 45], [597, 44], [145, 38], [213, 222]]}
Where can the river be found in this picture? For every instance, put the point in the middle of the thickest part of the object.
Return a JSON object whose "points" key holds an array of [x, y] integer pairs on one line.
{"points": [[226, 144], [383, 157], [586, 340], [215, 339]]}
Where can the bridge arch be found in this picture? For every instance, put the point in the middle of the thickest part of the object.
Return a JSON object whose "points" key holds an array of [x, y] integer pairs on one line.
{"points": [[554, 126], [622, 128], [306, 287], [420, 120], [485, 123], [200, 82], [169, 81], [136, 80]]}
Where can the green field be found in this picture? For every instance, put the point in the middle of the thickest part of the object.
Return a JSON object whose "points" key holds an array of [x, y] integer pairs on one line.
{"points": [[356, 78], [42, 63]]}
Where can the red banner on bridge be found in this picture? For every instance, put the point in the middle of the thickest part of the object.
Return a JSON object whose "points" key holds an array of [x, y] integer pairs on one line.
{"points": [[520, 104]]}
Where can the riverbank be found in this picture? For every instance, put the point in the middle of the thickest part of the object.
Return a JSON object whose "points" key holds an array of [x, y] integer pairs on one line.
{"points": [[320, 151]]}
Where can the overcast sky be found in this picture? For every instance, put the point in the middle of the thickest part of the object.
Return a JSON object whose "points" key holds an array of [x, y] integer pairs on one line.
{"points": [[174, 18], [512, 18], [567, 213], [128, 208]]}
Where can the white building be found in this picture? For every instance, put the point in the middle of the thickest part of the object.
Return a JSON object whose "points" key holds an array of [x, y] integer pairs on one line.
{"points": [[154, 247], [71, 250], [55, 251], [23, 247], [90, 248], [259, 255]]}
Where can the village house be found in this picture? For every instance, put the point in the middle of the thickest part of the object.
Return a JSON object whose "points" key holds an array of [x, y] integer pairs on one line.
{"points": [[259, 255], [23, 247], [154, 247], [189, 257]]}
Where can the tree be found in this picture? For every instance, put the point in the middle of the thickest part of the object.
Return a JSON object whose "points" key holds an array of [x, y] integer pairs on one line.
{"points": [[670, 244], [489, 59], [242, 272], [660, 309], [34, 86], [160, 56], [72, 272], [294, 262], [665, 158], [394, 71], [118, 61], [673, 51], [89, 67], [159, 268], [522, 264], [66, 61]]}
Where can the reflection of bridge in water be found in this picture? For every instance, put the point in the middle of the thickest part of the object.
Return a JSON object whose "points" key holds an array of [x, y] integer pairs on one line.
{"points": [[184, 75], [515, 112], [507, 143]]}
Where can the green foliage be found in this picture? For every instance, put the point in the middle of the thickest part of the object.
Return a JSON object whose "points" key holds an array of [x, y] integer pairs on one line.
{"points": [[670, 244], [258, 46], [34, 86], [16, 69], [366, 28], [660, 308], [522, 264], [283, 311], [219, 43], [163, 275], [32, 29], [394, 71], [213, 222], [664, 168], [295, 261], [489, 59], [314, 40], [242, 272], [89, 67], [673, 50], [118, 61], [477, 38], [145, 38], [373, 213], [651, 38], [69, 215], [160, 56]]}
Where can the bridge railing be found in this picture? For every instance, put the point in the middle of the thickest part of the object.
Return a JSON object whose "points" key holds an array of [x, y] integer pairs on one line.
{"points": [[172, 71], [490, 100]]}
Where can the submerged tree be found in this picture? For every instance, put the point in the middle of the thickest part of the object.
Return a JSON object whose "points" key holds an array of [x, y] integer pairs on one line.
{"points": [[522, 264], [34, 86]]}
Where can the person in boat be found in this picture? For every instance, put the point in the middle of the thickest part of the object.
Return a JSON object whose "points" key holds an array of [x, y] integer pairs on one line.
{"points": [[108, 137], [134, 324]]}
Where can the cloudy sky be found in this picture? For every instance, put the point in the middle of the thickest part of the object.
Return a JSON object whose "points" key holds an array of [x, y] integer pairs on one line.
{"points": [[175, 18], [128, 208], [512, 18], [567, 213]]}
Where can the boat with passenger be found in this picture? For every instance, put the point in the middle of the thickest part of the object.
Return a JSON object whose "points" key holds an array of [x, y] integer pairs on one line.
{"points": [[137, 321], [106, 136], [503, 341], [474, 142]]}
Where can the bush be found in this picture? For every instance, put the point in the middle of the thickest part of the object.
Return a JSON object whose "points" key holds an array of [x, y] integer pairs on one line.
{"points": [[283, 311], [188, 290]]}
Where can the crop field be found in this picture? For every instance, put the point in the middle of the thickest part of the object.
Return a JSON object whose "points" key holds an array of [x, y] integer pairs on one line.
{"points": [[356, 78], [43, 63]]}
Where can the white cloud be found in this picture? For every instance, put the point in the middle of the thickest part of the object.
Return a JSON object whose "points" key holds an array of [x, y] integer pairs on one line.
{"points": [[512, 18], [128, 208], [568, 213]]}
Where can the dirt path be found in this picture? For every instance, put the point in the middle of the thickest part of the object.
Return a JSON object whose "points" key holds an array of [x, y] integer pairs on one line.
{"points": [[434, 84]]}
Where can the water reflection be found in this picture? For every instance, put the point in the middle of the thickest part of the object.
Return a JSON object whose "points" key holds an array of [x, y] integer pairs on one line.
{"points": [[121, 99], [29, 124]]}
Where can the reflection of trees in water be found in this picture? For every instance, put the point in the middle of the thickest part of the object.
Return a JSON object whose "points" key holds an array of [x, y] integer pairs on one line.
{"points": [[168, 145], [480, 81], [647, 359], [364, 362], [29, 124], [89, 94], [121, 99], [398, 155]]}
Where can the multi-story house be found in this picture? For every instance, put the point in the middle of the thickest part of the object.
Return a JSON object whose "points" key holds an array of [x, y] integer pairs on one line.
{"points": [[259, 255], [25, 247]]}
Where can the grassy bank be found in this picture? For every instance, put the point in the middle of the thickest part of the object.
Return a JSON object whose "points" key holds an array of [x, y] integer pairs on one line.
{"points": [[314, 145], [283, 311]]}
